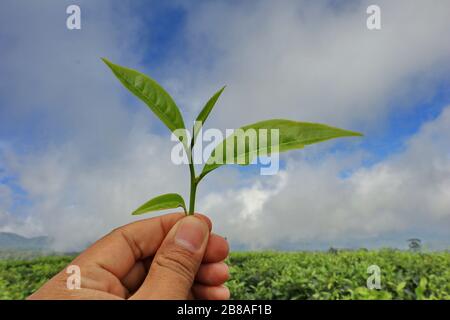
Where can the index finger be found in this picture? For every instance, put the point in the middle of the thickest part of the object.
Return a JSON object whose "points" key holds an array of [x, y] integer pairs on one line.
{"points": [[118, 251]]}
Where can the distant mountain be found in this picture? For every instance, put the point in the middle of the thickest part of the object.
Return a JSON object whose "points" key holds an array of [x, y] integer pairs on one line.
{"points": [[12, 241]]}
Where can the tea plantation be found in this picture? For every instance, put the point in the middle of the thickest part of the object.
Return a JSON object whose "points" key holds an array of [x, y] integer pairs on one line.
{"points": [[297, 275]]}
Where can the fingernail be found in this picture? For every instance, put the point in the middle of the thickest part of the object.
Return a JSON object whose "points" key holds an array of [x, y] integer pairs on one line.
{"points": [[191, 233]]}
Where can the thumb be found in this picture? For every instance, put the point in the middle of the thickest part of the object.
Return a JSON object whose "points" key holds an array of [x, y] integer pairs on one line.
{"points": [[176, 262]]}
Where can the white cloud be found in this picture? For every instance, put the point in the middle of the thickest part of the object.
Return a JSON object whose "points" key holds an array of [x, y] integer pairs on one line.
{"points": [[409, 192], [314, 60], [75, 202], [5, 202], [83, 159], [95, 160]]}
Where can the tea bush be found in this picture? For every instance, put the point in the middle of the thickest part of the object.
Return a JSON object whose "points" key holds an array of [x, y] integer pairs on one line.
{"points": [[318, 275], [285, 275]]}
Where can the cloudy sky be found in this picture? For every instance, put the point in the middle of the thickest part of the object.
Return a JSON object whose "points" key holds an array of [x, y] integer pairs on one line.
{"points": [[78, 152]]}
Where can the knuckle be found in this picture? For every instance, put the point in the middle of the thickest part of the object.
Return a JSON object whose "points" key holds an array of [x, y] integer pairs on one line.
{"points": [[113, 233], [116, 231], [177, 261]]}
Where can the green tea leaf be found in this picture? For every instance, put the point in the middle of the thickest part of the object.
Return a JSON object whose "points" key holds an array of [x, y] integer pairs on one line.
{"points": [[203, 115], [150, 92], [291, 135], [421, 288], [162, 202], [400, 287]]}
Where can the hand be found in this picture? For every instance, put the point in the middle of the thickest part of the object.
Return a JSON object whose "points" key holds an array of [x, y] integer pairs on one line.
{"points": [[166, 257]]}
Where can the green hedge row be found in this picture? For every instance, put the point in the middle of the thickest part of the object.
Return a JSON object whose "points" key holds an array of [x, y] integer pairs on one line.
{"points": [[297, 275]]}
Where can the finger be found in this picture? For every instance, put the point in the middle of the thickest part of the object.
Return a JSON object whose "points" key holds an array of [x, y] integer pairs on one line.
{"points": [[177, 261], [134, 277], [203, 292], [212, 274], [99, 284], [118, 251], [217, 249]]}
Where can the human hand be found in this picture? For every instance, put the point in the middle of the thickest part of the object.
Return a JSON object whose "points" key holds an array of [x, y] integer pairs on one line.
{"points": [[166, 257]]}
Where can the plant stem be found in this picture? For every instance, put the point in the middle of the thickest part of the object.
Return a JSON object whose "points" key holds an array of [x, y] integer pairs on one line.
{"points": [[192, 196], [194, 181]]}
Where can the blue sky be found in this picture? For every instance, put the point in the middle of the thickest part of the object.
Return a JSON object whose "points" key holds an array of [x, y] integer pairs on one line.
{"points": [[77, 150]]}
